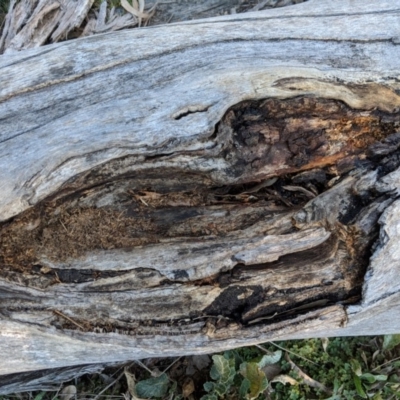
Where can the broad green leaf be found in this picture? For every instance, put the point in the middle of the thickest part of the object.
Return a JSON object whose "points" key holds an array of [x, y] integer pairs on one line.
{"points": [[229, 355], [222, 369], [244, 388], [269, 359], [257, 378], [214, 373], [356, 367], [382, 378], [359, 388], [390, 341], [220, 389], [232, 373], [237, 358], [209, 397], [39, 396], [209, 386], [153, 387], [368, 377], [394, 378]]}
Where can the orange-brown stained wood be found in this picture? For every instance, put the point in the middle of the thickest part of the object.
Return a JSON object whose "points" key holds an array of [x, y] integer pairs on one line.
{"points": [[286, 136], [305, 143]]}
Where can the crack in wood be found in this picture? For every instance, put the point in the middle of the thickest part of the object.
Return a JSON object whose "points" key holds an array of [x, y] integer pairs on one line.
{"points": [[290, 171]]}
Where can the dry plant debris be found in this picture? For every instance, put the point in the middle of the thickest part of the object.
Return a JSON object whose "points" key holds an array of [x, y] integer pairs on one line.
{"points": [[137, 9], [33, 23], [108, 20]]}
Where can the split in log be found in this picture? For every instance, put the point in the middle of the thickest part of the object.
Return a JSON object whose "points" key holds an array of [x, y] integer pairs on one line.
{"points": [[233, 184]]}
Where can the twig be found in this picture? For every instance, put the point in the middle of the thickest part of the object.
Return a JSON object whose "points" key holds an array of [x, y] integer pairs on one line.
{"points": [[307, 379], [166, 369], [68, 319], [109, 385], [291, 352], [264, 350], [387, 362], [146, 368], [58, 391], [64, 227]]}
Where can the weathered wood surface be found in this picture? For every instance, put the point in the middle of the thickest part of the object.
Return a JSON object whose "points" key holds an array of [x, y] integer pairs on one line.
{"points": [[201, 186], [33, 23]]}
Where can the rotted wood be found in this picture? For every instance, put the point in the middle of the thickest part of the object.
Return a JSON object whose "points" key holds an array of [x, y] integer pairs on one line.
{"points": [[212, 191]]}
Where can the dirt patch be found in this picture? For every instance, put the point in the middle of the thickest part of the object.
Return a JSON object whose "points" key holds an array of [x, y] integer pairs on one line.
{"points": [[69, 233]]}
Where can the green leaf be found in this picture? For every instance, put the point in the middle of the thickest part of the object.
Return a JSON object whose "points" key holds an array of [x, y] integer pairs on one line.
{"points": [[257, 378], [223, 369], [220, 389], [356, 367], [269, 359], [359, 388], [209, 397], [368, 377], [39, 396], [209, 386], [390, 341], [382, 378], [394, 378], [229, 355], [214, 373], [153, 387], [244, 388], [238, 359]]}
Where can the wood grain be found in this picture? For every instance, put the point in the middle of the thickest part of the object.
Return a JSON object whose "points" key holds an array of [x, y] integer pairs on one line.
{"points": [[215, 183]]}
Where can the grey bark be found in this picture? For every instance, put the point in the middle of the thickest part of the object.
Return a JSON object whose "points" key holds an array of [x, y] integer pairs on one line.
{"points": [[197, 187]]}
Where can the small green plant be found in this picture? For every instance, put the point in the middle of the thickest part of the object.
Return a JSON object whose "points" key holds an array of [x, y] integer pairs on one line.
{"points": [[153, 387], [350, 368], [229, 372]]}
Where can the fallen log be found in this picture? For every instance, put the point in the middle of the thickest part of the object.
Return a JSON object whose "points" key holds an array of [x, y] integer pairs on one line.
{"points": [[196, 187]]}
